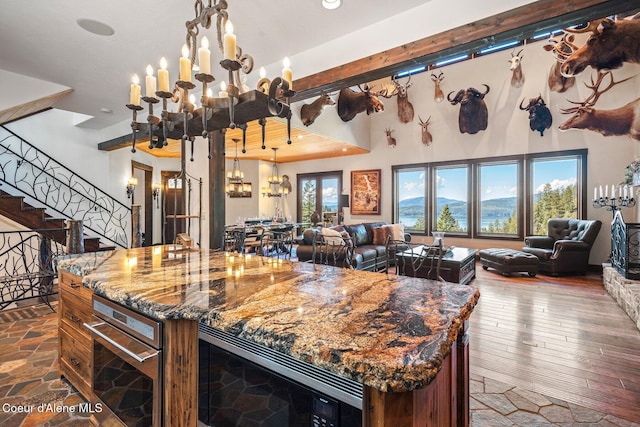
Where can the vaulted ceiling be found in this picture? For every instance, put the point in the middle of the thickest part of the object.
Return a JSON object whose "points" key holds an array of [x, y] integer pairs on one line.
{"points": [[361, 41]]}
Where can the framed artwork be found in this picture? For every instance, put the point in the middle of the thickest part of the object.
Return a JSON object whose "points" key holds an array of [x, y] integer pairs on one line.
{"points": [[365, 192]]}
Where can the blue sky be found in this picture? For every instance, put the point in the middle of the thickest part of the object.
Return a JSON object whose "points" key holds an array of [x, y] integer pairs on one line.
{"points": [[498, 181]]}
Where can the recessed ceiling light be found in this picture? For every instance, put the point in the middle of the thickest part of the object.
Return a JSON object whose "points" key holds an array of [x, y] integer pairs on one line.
{"points": [[344, 149], [105, 110], [300, 136], [95, 27], [331, 4]]}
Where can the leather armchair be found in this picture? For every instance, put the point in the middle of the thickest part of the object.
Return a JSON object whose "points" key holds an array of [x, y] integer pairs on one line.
{"points": [[566, 247]]}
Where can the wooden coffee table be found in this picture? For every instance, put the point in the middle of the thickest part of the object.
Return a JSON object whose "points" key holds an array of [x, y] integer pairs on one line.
{"points": [[458, 265]]}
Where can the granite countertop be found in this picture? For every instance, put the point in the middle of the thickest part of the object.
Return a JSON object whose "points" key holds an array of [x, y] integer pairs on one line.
{"points": [[385, 331]]}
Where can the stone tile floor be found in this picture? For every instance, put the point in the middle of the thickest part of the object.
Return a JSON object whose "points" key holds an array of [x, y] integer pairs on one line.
{"points": [[29, 381]]}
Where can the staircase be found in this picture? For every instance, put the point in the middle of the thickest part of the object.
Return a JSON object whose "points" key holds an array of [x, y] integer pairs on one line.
{"points": [[28, 173], [15, 208]]}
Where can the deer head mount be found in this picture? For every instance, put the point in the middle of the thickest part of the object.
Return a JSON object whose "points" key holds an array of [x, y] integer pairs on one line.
{"points": [[427, 139], [438, 95], [620, 121], [391, 141], [310, 112], [352, 103], [405, 108], [561, 48], [517, 76], [539, 114]]}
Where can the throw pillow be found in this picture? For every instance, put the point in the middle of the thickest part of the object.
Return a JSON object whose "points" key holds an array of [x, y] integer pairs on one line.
{"points": [[332, 237], [398, 231], [381, 234]]}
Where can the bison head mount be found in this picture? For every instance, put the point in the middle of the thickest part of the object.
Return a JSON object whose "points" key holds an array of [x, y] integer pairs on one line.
{"points": [[473, 115], [539, 115]]}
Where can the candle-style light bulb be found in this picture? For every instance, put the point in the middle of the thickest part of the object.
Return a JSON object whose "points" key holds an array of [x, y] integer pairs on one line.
{"points": [[150, 82], [185, 65], [163, 76], [287, 74], [263, 73], [134, 93], [229, 44], [223, 90], [209, 93], [204, 56]]}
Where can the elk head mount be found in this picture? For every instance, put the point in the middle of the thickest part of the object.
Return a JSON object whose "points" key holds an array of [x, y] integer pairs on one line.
{"points": [[427, 139], [352, 103], [610, 45], [438, 95], [391, 141], [473, 115], [561, 48], [310, 112], [620, 121], [517, 76], [539, 114]]}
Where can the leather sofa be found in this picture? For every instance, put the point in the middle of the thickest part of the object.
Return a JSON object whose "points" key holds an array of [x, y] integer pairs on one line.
{"points": [[566, 247], [367, 255]]}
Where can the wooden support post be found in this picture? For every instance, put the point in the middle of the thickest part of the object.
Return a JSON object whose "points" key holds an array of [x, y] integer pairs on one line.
{"points": [[462, 374], [216, 192]]}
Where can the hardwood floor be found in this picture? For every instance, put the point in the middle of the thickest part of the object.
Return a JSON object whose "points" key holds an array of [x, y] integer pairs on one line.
{"points": [[562, 337]]}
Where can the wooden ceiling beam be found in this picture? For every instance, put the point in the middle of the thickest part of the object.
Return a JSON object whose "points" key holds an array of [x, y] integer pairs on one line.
{"points": [[521, 22]]}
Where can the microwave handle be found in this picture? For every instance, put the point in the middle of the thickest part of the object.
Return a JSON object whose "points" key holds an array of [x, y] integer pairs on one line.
{"points": [[117, 345]]}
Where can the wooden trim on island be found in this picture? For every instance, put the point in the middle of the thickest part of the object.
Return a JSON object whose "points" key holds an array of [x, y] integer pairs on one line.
{"points": [[180, 373], [444, 402]]}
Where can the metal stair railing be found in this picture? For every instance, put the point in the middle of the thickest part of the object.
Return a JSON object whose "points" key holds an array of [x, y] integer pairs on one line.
{"points": [[28, 265], [36, 175]]}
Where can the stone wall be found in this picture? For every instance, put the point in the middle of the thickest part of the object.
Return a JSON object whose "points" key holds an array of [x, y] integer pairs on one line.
{"points": [[626, 292]]}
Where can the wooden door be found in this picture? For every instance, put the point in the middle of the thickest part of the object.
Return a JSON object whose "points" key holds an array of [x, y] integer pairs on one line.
{"points": [[172, 203]]}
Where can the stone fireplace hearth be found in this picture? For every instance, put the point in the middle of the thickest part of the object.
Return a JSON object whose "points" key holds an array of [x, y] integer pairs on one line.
{"points": [[626, 292]]}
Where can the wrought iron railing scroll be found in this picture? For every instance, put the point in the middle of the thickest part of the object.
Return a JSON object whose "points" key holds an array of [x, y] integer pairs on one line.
{"points": [[625, 247], [36, 175], [28, 265]]}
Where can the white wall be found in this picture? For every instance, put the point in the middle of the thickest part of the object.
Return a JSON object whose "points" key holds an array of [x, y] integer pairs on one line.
{"points": [[508, 133]]}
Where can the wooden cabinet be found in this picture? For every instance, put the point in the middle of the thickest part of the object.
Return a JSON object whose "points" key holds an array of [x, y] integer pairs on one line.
{"points": [[74, 340]]}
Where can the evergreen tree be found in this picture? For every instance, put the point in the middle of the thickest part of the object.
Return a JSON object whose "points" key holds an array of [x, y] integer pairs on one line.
{"points": [[420, 225], [308, 200], [446, 221]]}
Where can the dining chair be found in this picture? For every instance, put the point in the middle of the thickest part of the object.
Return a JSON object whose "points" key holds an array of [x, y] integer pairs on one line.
{"points": [[282, 241], [393, 247], [234, 239], [420, 261], [336, 251]]}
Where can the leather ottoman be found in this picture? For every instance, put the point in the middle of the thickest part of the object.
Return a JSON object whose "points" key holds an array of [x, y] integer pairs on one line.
{"points": [[508, 261]]}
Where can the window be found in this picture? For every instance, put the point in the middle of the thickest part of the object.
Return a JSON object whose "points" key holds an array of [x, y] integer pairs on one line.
{"points": [[451, 194], [498, 198], [554, 188], [319, 193], [409, 203]]}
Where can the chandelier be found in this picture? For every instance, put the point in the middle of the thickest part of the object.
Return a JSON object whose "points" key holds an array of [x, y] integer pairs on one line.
{"points": [[275, 187], [235, 105], [236, 186]]}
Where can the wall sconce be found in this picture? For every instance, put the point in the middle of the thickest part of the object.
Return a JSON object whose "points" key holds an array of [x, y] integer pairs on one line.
{"points": [[131, 187], [155, 191]]}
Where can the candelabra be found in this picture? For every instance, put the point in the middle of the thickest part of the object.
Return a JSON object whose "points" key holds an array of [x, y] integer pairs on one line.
{"points": [[613, 203]]}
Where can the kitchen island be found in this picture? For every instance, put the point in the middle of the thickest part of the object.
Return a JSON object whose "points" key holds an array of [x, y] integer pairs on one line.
{"points": [[404, 339]]}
